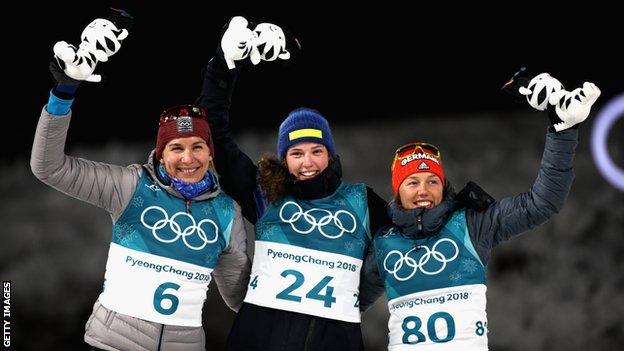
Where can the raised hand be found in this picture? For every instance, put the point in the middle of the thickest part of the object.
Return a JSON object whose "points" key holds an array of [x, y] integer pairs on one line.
{"points": [[573, 107], [239, 42], [271, 42], [539, 90], [100, 39]]}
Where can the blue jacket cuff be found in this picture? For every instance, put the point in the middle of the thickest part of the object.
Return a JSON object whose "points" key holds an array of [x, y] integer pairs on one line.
{"points": [[57, 106]]}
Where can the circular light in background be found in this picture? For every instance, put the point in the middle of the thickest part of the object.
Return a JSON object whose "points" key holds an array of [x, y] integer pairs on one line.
{"points": [[604, 121]]}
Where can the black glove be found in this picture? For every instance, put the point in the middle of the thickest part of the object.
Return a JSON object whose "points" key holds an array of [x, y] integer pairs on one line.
{"points": [[66, 86], [473, 196], [59, 75]]}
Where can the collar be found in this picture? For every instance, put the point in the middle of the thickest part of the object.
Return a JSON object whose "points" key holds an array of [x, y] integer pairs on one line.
{"points": [[424, 222], [421, 222], [318, 187], [186, 189]]}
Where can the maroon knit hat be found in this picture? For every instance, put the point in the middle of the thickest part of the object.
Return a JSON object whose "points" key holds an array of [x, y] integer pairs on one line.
{"points": [[182, 121]]}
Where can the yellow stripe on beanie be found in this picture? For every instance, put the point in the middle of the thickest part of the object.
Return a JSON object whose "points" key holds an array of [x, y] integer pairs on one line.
{"points": [[302, 133]]}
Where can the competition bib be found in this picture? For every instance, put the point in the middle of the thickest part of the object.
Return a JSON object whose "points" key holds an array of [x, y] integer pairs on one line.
{"points": [[442, 319], [307, 281], [309, 253], [154, 288], [162, 254], [436, 289]]}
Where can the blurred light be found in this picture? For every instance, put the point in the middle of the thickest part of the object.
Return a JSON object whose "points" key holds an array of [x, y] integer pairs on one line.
{"points": [[605, 120]]}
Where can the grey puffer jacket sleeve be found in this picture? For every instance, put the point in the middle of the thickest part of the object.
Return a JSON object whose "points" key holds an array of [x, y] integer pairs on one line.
{"points": [[515, 214], [234, 267], [104, 185], [111, 187]]}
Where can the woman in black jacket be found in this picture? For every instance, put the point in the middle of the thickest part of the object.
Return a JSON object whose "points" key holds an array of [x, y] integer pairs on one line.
{"points": [[312, 270]]}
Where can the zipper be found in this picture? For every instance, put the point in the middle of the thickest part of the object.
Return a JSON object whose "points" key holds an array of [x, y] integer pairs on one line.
{"points": [[188, 206], [419, 221], [419, 225], [309, 336], [162, 327]]}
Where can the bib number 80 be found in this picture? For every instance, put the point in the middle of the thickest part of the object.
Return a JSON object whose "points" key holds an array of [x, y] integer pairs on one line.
{"points": [[412, 328]]}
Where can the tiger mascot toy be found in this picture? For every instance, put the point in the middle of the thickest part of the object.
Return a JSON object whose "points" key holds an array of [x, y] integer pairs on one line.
{"points": [[100, 39]]}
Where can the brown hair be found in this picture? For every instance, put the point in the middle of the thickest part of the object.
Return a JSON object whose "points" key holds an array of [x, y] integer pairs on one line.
{"points": [[272, 176]]}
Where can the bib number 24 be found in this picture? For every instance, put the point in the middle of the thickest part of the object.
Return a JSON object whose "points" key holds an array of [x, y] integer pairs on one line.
{"points": [[314, 293]]}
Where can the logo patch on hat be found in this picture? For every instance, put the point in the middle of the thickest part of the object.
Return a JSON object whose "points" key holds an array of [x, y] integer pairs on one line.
{"points": [[184, 124], [423, 166], [302, 133]]}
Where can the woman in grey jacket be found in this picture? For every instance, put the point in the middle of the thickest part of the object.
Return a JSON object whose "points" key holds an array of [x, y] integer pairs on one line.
{"points": [[433, 259], [173, 229]]}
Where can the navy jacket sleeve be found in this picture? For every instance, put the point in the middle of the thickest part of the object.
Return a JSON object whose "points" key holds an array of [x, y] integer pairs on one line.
{"points": [[378, 211], [515, 214], [237, 172], [371, 285]]}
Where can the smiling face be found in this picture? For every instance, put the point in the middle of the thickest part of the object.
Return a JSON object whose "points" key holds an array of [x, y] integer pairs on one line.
{"points": [[421, 190], [306, 160], [186, 159]]}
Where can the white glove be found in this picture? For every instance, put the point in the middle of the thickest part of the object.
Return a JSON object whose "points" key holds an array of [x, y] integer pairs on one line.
{"points": [[271, 42], [573, 107], [238, 42], [540, 89], [100, 39]]}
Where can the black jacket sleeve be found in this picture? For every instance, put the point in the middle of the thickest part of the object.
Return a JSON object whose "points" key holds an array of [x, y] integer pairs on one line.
{"points": [[371, 285], [378, 211], [237, 172]]}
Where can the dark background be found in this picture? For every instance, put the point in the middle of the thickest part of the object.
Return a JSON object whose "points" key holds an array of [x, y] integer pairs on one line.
{"points": [[383, 76], [358, 63]]}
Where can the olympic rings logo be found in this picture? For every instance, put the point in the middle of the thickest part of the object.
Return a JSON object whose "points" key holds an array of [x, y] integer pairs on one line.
{"points": [[318, 224], [175, 227], [424, 259]]}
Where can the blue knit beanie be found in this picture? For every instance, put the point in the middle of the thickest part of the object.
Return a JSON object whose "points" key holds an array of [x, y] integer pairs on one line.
{"points": [[304, 124]]}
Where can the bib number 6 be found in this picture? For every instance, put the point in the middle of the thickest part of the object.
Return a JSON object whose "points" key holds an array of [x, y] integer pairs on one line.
{"points": [[166, 304]]}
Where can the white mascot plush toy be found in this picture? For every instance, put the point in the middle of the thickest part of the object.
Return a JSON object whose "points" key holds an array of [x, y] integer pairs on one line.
{"points": [[271, 42], [100, 39], [266, 42], [239, 42], [573, 107], [539, 90]]}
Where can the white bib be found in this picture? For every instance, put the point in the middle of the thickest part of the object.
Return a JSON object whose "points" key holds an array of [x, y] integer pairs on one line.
{"points": [[154, 288], [307, 281], [441, 319]]}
